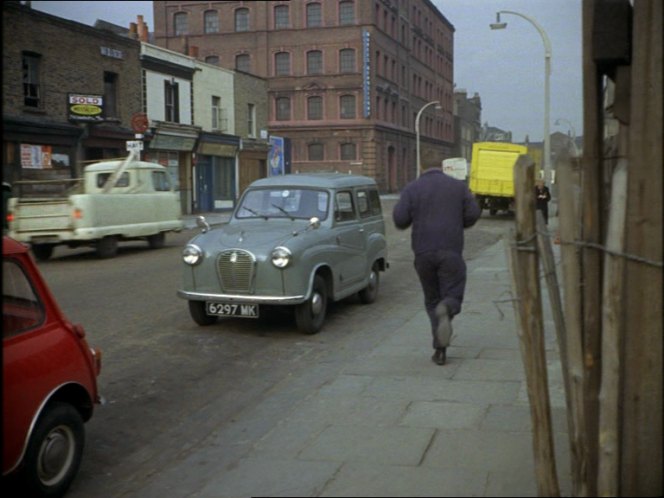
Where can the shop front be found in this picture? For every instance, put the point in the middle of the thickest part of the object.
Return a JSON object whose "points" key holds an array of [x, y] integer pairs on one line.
{"points": [[216, 173]]}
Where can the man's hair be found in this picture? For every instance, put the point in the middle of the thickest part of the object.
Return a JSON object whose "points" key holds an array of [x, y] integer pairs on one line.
{"points": [[430, 158]]}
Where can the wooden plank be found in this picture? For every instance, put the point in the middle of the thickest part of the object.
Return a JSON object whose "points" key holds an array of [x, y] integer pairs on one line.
{"points": [[525, 266]]}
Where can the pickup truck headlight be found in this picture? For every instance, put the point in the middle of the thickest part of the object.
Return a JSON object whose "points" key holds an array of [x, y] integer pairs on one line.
{"points": [[281, 257], [192, 254]]}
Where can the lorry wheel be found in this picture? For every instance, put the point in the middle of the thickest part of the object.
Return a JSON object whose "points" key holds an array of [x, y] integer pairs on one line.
{"points": [[157, 241], [493, 212], [107, 247], [54, 451], [310, 315], [42, 251], [199, 315]]}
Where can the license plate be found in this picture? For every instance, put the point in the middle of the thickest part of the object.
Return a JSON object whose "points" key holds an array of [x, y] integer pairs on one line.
{"points": [[232, 309]]}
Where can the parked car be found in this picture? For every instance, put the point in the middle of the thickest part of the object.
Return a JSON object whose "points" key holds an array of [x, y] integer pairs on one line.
{"points": [[49, 381], [293, 240]]}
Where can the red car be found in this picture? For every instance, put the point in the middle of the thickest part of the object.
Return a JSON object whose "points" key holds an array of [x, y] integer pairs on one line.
{"points": [[49, 381]]}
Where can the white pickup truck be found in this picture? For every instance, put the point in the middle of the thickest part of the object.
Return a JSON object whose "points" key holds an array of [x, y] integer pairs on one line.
{"points": [[114, 201]]}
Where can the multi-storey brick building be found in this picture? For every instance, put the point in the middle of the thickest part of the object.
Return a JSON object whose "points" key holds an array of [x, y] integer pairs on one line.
{"points": [[346, 78]]}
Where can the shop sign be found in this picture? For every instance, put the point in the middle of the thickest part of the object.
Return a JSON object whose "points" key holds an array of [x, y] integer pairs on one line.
{"points": [[85, 107], [36, 156]]}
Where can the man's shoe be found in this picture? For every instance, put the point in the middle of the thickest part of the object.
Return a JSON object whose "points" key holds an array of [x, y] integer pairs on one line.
{"points": [[440, 356], [444, 329]]}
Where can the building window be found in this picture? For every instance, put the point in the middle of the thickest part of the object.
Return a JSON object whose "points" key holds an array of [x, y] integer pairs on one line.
{"points": [[346, 13], [348, 152], [251, 120], [347, 106], [281, 16], [314, 17], [315, 108], [212, 59], [315, 152], [243, 63], [216, 112], [211, 21], [283, 109], [110, 95], [242, 20], [347, 60], [172, 101], [314, 62], [282, 64], [180, 22], [31, 83]]}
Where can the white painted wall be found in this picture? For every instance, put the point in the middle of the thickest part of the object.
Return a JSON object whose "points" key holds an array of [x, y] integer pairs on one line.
{"points": [[211, 81]]}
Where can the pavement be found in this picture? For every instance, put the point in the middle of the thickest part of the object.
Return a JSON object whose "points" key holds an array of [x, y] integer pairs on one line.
{"points": [[393, 423]]}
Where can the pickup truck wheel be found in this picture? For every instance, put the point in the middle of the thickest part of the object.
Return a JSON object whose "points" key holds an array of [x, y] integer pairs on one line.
{"points": [[310, 315], [42, 251], [369, 294], [107, 247], [199, 315], [157, 241], [53, 454]]}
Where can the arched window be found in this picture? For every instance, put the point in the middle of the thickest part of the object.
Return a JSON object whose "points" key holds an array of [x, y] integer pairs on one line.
{"points": [[314, 62], [346, 13], [316, 152], [281, 17], [180, 23], [347, 106], [348, 152], [315, 108], [212, 59], [242, 20], [347, 60], [282, 64], [243, 63], [283, 109], [314, 15], [211, 21]]}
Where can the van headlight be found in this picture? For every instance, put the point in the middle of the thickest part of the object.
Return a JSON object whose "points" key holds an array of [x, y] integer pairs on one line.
{"points": [[192, 254], [281, 257]]}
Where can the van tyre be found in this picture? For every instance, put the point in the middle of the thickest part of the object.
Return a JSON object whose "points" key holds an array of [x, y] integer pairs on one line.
{"points": [[310, 315], [54, 452], [199, 315], [42, 251], [107, 247], [369, 294], [157, 241]]}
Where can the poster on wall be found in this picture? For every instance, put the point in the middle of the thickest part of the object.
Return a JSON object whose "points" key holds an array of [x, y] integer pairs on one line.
{"points": [[36, 156], [275, 156]]}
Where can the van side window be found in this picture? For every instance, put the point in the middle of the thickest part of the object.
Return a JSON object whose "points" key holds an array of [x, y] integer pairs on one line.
{"points": [[21, 308], [160, 181], [363, 204], [343, 207], [123, 181], [374, 201]]}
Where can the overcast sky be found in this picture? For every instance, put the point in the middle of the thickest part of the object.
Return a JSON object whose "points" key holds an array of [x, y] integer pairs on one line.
{"points": [[505, 67]]}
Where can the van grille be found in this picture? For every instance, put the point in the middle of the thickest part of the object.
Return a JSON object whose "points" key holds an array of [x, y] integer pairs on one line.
{"points": [[236, 270]]}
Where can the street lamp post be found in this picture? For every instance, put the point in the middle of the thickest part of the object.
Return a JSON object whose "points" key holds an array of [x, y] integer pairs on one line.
{"points": [[547, 77], [573, 139], [417, 132]]}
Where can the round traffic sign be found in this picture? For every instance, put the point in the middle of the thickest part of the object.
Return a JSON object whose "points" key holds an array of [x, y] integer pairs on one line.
{"points": [[140, 122]]}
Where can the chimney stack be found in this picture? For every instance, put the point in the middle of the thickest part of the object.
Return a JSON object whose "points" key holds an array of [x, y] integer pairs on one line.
{"points": [[193, 51], [142, 29], [133, 31]]}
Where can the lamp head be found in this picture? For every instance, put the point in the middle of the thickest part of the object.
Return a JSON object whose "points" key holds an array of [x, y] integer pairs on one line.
{"points": [[498, 24]]}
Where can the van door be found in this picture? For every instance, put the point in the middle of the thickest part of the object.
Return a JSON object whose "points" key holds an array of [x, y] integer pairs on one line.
{"points": [[350, 239]]}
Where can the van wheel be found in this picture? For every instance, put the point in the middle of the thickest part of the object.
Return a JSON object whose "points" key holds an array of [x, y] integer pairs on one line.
{"points": [[369, 294], [310, 315], [42, 251], [107, 247], [493, 212], [54, 451], [199, 315], [157, 241]]}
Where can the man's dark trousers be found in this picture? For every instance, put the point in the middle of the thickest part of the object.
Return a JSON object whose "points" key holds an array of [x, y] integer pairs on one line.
{"points": [[443, 278]]}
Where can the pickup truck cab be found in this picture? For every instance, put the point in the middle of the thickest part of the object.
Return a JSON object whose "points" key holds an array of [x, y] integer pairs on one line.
{"points": [[114, 201]]}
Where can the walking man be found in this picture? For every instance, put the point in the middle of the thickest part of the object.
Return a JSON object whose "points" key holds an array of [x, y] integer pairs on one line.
{"points": [[438, 207]]}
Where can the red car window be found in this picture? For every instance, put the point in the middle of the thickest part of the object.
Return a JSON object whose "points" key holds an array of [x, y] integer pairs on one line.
{"points": [[21, 308]]}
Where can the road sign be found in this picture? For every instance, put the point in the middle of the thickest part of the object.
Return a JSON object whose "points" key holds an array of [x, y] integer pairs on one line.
{"points": [[134, 145]]}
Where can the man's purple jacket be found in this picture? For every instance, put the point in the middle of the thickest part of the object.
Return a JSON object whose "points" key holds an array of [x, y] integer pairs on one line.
{"points": [[439, 207]]}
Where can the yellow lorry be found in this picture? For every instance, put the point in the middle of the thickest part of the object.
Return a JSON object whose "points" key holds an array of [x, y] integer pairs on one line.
{"points": [[492, 174]]}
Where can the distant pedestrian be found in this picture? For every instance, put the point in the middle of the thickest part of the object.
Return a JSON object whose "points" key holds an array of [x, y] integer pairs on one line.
{"points": [[542, 198], [438, 207]]}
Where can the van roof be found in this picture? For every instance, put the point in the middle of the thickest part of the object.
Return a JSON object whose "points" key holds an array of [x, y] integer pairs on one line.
{"points": [[112, 165]]}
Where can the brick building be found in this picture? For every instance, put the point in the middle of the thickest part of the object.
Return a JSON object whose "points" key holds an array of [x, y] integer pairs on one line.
{"points": [[346, 78], [68, 94]]}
